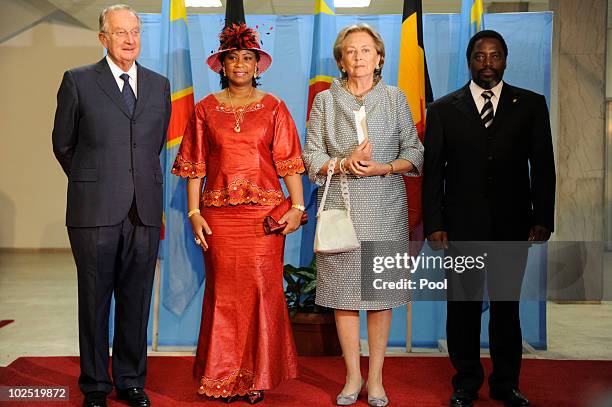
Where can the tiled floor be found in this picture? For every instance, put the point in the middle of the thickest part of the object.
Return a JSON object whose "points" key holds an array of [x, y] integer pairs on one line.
{"points": [[38, 291]]}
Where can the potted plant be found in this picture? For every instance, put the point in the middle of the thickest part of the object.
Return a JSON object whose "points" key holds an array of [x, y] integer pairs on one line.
{"points": [[314, 327]]}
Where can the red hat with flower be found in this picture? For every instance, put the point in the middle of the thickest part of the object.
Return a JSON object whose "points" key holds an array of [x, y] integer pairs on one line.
{"points": [[239, 36]]}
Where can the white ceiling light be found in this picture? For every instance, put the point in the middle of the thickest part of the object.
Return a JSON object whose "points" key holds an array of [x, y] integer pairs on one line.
{"points": [[202, 3], [351, 3]]}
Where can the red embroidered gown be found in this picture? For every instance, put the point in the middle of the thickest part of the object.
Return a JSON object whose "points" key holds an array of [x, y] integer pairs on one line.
{"points": [[245, 340]]}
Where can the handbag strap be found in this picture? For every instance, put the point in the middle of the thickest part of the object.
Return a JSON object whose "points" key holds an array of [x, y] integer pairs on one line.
{"points": [[343, 187]]}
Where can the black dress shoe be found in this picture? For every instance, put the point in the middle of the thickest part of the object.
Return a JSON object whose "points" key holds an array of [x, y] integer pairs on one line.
{"points": [[135, 397], [95, 399], [513, 398], [462, 398]]}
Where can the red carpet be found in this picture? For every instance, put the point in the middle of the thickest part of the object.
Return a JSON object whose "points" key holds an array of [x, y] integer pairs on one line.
{"points": [[409, 381], [5, 322]]}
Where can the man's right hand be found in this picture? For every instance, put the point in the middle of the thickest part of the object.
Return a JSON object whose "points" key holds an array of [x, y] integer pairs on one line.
{"points": [[438, 240], [199, 227]]}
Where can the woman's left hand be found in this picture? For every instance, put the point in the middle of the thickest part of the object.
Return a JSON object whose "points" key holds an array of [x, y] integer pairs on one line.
{"points": [[368, 168], [292, 217]]}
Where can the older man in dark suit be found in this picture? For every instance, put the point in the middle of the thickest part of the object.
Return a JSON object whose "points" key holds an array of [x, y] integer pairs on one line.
{"points": [[110, 126], [489, 176]]}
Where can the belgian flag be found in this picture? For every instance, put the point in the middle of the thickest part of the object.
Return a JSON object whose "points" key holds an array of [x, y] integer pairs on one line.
{"points": [[414, 81], [234, 12]]}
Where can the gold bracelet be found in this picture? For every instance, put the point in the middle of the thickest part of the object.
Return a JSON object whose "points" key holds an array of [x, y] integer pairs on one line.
{"points": [[299, 207], [391, 169], [193, 212]]}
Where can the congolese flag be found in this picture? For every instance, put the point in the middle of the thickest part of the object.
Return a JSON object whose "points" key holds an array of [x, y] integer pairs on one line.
{"points": [[414, 81], [323, 70], [472, 21], [181, 266]]}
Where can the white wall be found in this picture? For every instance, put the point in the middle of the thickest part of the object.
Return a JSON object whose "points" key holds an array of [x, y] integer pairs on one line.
{"points": [[609, 53], [32, 185]]}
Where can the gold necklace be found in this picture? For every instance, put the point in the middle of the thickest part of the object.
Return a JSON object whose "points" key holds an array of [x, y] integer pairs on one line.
{"points": [[240, 111], [360, 96]]}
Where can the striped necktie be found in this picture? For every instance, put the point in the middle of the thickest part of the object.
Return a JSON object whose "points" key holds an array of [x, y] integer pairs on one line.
{"points": [[486, 114], [128, 93]]}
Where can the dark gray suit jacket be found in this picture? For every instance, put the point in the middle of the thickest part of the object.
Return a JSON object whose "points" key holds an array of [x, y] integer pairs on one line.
{"points": [[488, 184], [109, 156]]}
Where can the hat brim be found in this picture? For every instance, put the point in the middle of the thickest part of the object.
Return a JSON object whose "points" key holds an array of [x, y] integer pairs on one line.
{"points": [[214, 60]]}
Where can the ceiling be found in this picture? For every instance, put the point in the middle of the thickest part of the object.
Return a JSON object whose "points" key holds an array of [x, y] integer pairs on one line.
{"points": [[17, 15]]}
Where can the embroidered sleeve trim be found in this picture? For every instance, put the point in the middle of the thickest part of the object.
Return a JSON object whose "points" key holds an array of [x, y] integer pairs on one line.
{"points": [[238, 383], [290, 167], [187, 169], [242, 191]]}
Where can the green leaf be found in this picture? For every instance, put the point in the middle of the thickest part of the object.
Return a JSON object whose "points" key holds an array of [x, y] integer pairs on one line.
{"points": [[306, 274], [310, 287]]}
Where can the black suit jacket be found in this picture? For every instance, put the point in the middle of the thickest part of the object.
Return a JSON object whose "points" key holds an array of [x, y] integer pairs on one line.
{"points": [[488, 184], [108, 155]]}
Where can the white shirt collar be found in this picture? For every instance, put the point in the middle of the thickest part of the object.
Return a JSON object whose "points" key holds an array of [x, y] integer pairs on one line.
{"points": [[479, 101], [117, 72], [477, 90]]}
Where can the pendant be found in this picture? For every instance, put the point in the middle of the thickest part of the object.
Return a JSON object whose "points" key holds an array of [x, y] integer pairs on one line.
{"points": [[237, 128]]}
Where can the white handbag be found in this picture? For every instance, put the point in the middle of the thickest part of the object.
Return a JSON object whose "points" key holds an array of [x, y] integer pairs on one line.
{"points": [[335, 232]]}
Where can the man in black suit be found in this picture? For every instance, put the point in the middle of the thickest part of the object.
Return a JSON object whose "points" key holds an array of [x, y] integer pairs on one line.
{"points": [[489, 176], [110, 126]]}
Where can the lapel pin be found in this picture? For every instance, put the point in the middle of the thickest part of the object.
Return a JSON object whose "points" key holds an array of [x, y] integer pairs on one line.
{"points": [[514, 100]]}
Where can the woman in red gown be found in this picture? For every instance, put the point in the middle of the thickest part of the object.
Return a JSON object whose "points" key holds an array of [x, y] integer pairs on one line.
{"points": [[242, 140]]}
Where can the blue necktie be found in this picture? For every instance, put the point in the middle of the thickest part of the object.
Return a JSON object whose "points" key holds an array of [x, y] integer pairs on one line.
{"points": [[127, 93]]}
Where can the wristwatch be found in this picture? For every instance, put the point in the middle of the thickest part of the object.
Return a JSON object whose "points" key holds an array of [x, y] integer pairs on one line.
{"points": [[299, 207]]}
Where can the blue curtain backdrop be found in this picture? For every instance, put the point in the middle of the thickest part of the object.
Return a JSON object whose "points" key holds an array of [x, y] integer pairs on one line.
{"points": [[289, 40]]}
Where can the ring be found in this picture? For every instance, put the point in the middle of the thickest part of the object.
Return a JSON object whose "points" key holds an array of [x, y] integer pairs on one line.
{"points": [[198, 241]]}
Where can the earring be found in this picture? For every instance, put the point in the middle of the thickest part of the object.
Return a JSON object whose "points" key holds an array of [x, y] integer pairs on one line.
{"points": [[377, 67], [342, 70]]}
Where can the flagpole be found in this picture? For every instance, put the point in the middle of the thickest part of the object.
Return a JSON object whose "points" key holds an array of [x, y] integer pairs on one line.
{"points": [[156, 296], [409, 327]]}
